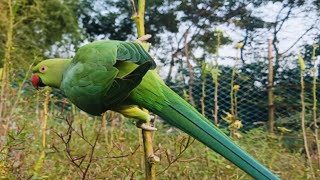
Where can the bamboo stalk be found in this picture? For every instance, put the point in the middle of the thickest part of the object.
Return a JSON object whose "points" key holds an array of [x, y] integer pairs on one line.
{"points": [[150, 158], [216, 83], [4, 94], [271, 107], [204, 77], [42, 157], [6, 61], [303, 114], [203, 105], [314, 108], [190, 69], [231, 89]]}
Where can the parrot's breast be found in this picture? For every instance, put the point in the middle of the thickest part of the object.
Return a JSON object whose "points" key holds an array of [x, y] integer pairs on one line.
{"points": [[85, 85]]}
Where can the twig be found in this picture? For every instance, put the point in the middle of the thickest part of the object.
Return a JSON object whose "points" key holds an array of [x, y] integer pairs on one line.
{"points": [[91, 153], [77, 161], [298, 39], [133, 5], [123, 156], [181, 151], [19, 91]]}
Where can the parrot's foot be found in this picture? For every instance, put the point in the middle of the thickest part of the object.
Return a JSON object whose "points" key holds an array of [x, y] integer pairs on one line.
{"points": [[144, 126], [143, 41], [144, 38]]}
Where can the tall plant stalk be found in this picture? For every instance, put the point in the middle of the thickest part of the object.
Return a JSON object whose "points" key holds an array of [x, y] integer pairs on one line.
{"points": [[190, 69], [150, 158], [203, 86], [233, 74], [303, 114], [204, 72], [215, 79], [271, 107], [45, 117], [5, 71], [314, 108]]}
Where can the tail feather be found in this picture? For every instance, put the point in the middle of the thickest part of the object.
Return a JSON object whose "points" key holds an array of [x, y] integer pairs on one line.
{"points": [[180, 114]]}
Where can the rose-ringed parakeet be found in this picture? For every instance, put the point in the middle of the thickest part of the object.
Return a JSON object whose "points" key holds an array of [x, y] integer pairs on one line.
{"points": [[118, 76]]}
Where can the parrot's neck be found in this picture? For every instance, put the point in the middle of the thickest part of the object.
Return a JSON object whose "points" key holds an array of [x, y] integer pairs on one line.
{"points": [[63, 64]]}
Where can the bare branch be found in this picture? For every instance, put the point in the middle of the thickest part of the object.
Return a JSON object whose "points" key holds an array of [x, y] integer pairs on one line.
{"points": [[298, 39], [181, 151]]}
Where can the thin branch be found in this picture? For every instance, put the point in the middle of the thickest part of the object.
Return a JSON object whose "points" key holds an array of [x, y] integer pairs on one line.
{"points": [[133, 5], [298, 39], [123, 156], [91, 153], [181, 151]]}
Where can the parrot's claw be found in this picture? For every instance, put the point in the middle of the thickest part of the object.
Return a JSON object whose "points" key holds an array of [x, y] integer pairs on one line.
{"points": [[152, 117], [144, 38], [144, 126]]}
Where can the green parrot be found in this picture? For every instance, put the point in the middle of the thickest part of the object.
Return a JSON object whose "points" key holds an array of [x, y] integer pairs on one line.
{"points": [[119, 76]]}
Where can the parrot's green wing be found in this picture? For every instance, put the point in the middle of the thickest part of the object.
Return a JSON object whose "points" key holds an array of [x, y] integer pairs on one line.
{"points": [[90, 80], [122, 87], [109, 52]]}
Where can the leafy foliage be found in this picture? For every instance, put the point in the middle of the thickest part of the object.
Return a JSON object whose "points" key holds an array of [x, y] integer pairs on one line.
{"points": [[38, 25]]}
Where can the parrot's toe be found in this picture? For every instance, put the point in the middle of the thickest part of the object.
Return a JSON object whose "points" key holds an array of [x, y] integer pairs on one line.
{"points": [[144, 38], [144, 126]]}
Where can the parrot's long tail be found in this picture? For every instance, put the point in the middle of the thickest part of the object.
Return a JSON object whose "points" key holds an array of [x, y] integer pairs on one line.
{"points": [[182, 115]]}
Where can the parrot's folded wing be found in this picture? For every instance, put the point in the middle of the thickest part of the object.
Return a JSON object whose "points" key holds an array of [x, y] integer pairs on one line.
{"points": [[134, 52], [122, 87], [107, 53]]}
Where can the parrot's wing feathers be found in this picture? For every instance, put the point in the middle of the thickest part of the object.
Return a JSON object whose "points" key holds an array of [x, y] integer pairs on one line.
{"points": [[91, 77], [107, 53], [134, 52], [122, 87]]}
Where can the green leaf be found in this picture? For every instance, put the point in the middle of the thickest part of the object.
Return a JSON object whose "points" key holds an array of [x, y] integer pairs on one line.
{"points": [[215, 73]]}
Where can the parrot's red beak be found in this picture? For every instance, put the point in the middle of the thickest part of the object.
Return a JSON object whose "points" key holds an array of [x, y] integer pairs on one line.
{"points": [[36, 81]]}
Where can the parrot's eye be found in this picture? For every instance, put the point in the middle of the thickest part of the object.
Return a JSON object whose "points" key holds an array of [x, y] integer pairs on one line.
{"points": [[43, 69]]}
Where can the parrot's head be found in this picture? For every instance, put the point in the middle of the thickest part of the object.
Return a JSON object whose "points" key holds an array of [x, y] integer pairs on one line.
{"points": [[49, 72]]}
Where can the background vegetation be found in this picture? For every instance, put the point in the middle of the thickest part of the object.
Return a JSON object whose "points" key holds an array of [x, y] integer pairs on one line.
{"points": [[210, 52]]}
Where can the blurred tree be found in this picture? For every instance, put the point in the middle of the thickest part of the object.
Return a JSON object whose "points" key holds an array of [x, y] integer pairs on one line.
{"points": [[38, 25]]}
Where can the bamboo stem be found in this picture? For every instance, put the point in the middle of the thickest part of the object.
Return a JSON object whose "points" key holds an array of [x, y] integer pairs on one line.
{"points": [[150, 158], [203, 105], [303, 114], [271, 107], [45, 105], [6, 61], [190, 69], [231, 89], [204, 78], [216, 83], [5, 73], [314, 108]]}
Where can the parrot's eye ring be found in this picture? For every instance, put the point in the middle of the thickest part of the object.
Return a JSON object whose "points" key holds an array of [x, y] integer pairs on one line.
{"points": [[43, 69]]}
